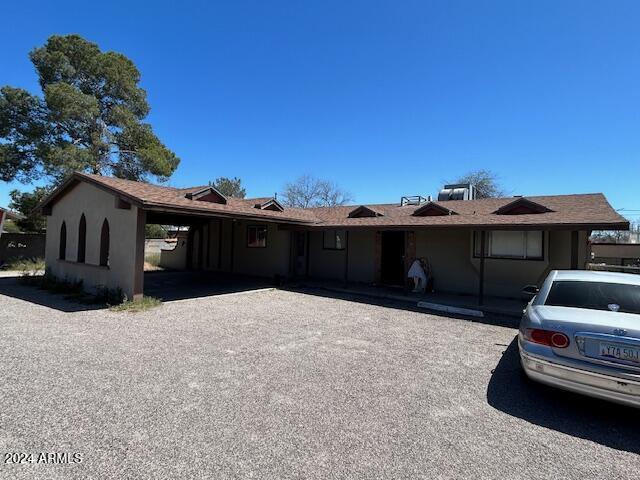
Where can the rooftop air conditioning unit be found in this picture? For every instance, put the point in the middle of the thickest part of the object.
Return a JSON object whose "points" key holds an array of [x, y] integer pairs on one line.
{"points": [[457, 191]]}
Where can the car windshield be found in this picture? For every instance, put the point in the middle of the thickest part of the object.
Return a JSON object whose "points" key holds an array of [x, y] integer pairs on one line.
{"points": [[616, 297]]}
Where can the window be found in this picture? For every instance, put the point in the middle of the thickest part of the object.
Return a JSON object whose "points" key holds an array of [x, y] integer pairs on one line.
{"points": [[509, 244], [62, 249], [333, 240], [104, 244], [595, 296], [82, 239], [256, 236]]}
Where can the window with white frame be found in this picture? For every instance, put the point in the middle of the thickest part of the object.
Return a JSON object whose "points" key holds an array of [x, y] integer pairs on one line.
{"points": [[256, 236], [333, 240], [523, 245]]}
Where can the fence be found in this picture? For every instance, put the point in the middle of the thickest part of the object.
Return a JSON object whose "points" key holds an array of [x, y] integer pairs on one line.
{"points": [[601, 267], [21, 245]]}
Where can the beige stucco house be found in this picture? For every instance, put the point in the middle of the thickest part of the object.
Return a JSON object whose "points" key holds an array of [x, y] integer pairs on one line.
{"points": [[95, 232]]}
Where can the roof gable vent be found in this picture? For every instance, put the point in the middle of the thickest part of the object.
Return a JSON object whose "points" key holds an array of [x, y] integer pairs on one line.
{"points": [[271, 204], [432, 209], [364, 211], [208, 194], [522, 206]]}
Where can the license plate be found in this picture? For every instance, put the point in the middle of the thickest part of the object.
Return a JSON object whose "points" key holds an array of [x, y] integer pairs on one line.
{"points": [[620, 352]]}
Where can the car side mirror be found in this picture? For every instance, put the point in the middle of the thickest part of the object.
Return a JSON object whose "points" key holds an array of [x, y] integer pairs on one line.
{"points": [[530, 291]]}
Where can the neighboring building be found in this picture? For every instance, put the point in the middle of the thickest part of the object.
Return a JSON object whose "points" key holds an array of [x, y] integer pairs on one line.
{"points": [[625, 254], [18, 245], [7, 215], [95, 232]]}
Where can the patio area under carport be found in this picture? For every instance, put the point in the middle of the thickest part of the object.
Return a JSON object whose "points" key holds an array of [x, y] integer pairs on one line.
{"points": [[181, 285]]}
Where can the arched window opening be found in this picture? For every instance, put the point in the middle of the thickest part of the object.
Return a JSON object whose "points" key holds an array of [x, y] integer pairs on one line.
{"points": [[62, 252], [104, 244], [82, 239]]}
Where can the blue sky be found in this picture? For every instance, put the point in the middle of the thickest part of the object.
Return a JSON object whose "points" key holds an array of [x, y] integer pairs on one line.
{"points": [[386, 98]]}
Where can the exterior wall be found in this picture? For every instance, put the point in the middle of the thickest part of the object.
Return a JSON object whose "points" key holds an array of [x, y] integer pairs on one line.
{"points": [[449, 255], [330, 264], [324, 264], [362, 262], [223, 248], [272, 260], [96, 205], [266, 262], [506, 277], [216, 245], [175, 258], [455, 270]]}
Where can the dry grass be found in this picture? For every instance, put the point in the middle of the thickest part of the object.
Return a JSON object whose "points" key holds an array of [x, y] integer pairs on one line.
{"points": [[152, 262], [140, 305], [28, 266]]}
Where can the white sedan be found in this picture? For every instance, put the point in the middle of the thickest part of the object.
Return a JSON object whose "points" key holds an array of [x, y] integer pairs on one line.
{"points": [[581, 332]]}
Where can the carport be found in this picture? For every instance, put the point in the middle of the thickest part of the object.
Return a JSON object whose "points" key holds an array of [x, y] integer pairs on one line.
{"points": [[181, 285], [96, 226]]}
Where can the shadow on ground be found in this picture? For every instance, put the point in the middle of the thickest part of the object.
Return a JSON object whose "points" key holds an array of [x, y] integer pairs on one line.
{"points": [[606, 423], [166, 286], [12, 287], [170, 286], [488, 319]]}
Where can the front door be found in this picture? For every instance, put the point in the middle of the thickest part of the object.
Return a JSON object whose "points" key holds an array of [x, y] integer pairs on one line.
{"points": [[392, 258]]}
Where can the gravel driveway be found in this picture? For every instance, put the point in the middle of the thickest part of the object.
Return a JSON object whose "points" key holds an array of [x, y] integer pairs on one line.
{"points": [[278, 384]]}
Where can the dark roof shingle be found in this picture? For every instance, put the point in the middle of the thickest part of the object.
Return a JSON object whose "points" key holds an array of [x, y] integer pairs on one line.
{"points": [[587, 211]]}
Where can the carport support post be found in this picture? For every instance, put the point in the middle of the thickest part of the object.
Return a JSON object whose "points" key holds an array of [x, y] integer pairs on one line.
{"points": [[481, 284], [138, 273]]}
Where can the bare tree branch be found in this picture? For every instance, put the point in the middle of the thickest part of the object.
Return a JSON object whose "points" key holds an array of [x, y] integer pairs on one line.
{"points": [[308, 191]]}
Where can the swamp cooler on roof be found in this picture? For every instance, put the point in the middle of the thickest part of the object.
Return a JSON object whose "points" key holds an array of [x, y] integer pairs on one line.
{"points": [[457, 191]]}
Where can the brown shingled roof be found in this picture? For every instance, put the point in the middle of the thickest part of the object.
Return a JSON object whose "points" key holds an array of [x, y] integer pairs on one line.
{"points": [[590, 211], [582, 211], [170, 199]]}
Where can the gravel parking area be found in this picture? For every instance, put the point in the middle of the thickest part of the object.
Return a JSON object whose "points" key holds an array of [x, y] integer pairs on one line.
{"points": [[279, 384]]}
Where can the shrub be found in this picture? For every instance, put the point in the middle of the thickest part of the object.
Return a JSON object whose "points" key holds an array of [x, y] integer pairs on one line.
{"points": [[109, 296], [30, 266], [74, 290], [138, 305]]}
